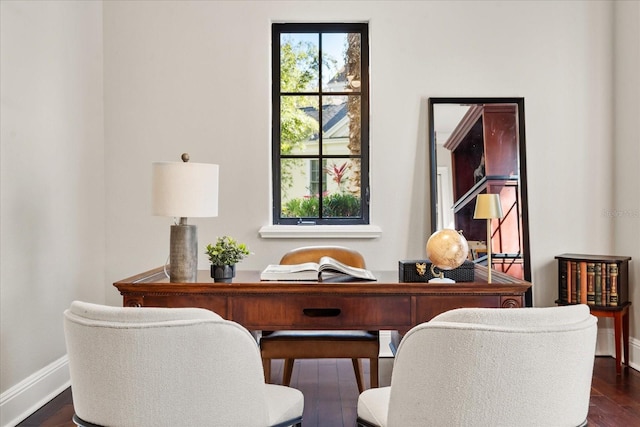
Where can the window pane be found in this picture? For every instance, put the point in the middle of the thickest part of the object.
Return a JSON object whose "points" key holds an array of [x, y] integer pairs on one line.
{"points": [[299, 70], [297, 200], [341, 62], [320, 123], [342, 198], [299, 124], [341, 133]]}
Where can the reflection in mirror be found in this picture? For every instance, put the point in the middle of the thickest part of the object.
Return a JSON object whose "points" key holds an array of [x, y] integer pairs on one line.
{"points": [[477, 146]]}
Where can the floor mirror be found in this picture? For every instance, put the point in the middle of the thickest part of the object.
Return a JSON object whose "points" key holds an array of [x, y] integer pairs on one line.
{"points": [[477, 146]]}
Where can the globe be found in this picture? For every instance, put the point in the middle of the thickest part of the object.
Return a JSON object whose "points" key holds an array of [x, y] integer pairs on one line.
{"points": [[447, 249]]}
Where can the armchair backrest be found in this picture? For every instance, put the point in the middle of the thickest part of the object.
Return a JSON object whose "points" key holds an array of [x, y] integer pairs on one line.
{"points": [[496, 367], [314, 253], [162, 367]]}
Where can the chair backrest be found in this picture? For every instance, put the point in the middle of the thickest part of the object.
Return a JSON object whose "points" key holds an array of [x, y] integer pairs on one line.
{"points": [[314, 253], [162, 367], [496, 367]]}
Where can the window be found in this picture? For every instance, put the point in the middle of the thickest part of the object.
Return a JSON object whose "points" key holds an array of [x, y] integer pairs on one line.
{"points": [[320, 100]]}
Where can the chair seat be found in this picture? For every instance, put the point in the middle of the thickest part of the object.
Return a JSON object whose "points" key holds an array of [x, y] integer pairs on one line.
{"points": [[315, 335], [285, 405], [373, 407], [320, 344]]}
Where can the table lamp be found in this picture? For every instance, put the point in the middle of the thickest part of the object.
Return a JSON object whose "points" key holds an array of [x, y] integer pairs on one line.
{"points": [[182, 190], [488, 207]]}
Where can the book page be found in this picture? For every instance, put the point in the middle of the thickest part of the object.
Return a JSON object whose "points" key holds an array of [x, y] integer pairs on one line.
{"points": [[291, 268], [305, 271], [328, 264]]}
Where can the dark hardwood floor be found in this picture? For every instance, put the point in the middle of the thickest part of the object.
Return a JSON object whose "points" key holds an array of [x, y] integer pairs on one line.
{"points": [[331, 395]]}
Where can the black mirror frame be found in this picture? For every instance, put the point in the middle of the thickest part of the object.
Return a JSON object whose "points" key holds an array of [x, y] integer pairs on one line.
{"points": [[522, 170]]}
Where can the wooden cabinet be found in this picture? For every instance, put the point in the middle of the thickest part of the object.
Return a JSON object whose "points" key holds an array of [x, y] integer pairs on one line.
{"points": [[601, 282], [596, 280], [484, 156]]}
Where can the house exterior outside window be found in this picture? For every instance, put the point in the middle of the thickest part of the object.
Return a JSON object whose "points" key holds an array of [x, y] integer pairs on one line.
{"points": [[320, 99]]}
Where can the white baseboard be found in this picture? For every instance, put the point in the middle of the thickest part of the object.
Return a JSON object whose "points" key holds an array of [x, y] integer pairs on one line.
{"points": [[604, 343], [26, 397], [634, 353], [606, 347]]}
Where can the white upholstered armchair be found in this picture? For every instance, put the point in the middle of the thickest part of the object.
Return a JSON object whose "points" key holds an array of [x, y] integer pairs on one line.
{"points": [[490, 367], [169, 367]]}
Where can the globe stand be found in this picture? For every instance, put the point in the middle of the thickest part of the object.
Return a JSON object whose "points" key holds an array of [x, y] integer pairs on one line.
{"points": [[439, 277]]}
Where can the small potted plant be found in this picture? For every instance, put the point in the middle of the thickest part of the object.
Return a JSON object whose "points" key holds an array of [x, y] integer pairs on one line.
{"points": [[224, 256]]}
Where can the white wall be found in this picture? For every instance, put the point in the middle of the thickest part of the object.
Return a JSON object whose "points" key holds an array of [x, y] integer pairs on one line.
{"points": [[206, 91], [195, 77], [625, 207], [52, 188]]}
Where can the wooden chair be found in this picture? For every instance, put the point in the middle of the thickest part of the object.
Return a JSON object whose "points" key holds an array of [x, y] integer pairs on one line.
{"points": [[291, 345]]}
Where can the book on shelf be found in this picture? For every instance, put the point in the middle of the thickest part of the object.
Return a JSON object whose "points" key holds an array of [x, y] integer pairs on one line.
{"points": [[605, 280], [591, 278], [578, 280], [583, 282], [589, 282], [326, 268], [613, 299], [569, 280], [607, 296], [597, 283], [565, 288]]}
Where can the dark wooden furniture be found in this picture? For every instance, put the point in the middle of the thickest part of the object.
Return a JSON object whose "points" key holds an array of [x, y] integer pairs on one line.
{"points": [[484, 158], [382, 305], [598, 302], [373, 306], [292, 344], [620, 317]]}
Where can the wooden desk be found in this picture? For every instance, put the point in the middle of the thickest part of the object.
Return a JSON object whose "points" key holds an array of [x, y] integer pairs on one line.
{"points": [[382, 305]]}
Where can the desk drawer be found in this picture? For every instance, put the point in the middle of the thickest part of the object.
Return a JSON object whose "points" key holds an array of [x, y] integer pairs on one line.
{"points": [[310, 312], [217, 304], [428, 307]]}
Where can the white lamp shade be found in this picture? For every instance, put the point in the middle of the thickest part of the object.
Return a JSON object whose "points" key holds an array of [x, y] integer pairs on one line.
{"points": [[488, 206], [183, 189]]}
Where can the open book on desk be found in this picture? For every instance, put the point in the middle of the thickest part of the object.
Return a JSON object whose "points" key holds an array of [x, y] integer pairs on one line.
{"points": [[325, 269]]}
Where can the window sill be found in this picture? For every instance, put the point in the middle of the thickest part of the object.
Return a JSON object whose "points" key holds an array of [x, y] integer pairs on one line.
{"points": [[320, 232]]}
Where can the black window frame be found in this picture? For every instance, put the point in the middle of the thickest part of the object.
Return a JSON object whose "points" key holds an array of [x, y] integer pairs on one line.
{"points": [[346, 27]]}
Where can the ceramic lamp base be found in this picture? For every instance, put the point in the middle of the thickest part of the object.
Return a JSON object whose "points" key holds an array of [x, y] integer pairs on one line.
{"points": [[183, 254]]}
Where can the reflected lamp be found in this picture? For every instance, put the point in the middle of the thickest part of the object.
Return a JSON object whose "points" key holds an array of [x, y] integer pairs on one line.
{"points": [[182, 190], [488, 207]]}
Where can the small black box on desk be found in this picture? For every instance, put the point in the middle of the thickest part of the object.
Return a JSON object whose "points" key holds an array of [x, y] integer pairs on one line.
{"points": [[419, 270]]}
